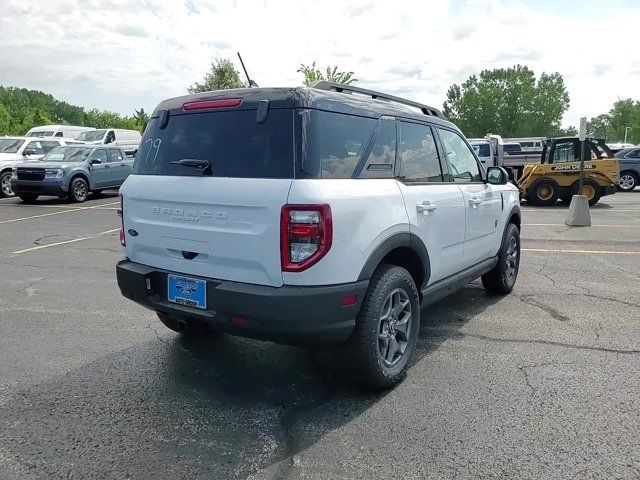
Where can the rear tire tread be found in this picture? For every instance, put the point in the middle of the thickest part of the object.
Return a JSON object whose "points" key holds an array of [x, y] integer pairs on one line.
{"points": [[360, 352]]}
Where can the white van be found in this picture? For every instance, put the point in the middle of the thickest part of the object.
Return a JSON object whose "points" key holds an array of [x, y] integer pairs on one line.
{"points": [[58, 131], [129, 140]]}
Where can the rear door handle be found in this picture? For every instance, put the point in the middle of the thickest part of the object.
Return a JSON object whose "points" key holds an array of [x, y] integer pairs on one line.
{"points": [[475, 201], [426, 207]]}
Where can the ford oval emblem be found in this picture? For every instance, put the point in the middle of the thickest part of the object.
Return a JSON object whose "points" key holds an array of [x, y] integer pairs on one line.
{"points": [[132, 232]]}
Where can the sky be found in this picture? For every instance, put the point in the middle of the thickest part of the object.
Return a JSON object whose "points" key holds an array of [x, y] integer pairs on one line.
{"points": [[121, 55]]}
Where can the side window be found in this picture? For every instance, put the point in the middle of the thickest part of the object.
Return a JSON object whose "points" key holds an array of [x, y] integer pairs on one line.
{"points": [[37, 146], [100, 154], [381, 156], [339, 141], [633, 154], [115, 155], [464, 166], [46, 146], [59, 134], [419, 160], [110, 138]]}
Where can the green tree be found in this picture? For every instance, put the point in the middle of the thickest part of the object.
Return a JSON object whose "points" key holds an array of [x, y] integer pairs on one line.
{"points": [[509, 102], [599, 126], [625, 114], [5, 120], [313, 74], [222, 75], [141, 119]]}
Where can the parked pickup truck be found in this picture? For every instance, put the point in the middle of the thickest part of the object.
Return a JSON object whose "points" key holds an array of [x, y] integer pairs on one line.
{"points": [[72, 172], [494, 151]]}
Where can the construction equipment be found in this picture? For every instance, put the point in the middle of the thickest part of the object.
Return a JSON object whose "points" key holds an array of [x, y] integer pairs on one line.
{"points": [[558, 174], [554, 174]]}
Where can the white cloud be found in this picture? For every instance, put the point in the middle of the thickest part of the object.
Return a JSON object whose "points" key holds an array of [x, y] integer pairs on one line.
{"points": [[123, 54]]}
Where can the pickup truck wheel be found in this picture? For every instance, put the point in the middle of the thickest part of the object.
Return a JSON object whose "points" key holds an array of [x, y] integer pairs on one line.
{"points": [[386, 331], [78, 190], [188, 328], [590, 189], [544, 192], [5, 185], [628, 181], [28, 197], [503, 276]]}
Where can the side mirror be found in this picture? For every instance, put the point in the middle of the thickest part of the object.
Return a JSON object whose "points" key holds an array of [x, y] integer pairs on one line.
{"points": [[95, 161], [29, 151], [497, 176]]}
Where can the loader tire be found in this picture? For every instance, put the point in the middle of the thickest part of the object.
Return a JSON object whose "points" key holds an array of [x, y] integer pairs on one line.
{"points": [[590, 188], [544, 192]]}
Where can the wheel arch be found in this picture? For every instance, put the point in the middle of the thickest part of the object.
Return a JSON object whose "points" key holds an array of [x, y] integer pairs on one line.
{"points": [[405, 250], [515, 217], [79, 173]]}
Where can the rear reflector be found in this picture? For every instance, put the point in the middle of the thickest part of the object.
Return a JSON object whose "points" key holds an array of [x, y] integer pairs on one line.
{"points": [[237, 321], [349, 300], [205, 104]]}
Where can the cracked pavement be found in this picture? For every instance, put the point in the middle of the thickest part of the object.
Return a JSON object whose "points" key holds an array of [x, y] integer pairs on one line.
{"points": [[544, 383]]}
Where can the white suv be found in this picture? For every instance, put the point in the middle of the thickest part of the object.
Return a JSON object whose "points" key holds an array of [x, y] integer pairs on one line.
{"points": [[311, 216]]}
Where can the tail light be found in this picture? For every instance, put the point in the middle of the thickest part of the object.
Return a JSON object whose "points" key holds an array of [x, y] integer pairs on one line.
{"points": [[120, 213], [306, 232]]}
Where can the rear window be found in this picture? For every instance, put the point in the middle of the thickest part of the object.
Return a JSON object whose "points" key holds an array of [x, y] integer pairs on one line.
{"points": [[232, 142]]}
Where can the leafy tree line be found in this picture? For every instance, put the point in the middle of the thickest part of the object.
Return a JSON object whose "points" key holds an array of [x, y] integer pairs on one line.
{"points": [[22, 109], [624, 115], [508, 101]]}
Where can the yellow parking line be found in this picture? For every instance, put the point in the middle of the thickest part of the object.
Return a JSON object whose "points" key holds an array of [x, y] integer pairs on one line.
{"points": [[563, 250], [40, 247], [564, 225], [57, 213]]}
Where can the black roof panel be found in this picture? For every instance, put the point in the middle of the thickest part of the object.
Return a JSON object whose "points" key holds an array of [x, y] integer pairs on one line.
{"points": [[309, 97]]}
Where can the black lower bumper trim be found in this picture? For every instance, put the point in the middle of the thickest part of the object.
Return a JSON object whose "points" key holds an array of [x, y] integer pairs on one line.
{"points": [[287, 314]]}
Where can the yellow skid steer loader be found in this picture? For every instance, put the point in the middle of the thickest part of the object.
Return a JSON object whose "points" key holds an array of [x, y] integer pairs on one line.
{"points": [[557, 177]]}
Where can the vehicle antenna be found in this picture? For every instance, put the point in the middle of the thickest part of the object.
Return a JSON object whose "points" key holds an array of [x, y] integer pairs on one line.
{"points": [[251, 82]]}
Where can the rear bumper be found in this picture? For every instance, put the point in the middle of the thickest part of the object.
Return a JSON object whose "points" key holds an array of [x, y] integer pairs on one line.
{"points": [[294, 315], [52, 186]]}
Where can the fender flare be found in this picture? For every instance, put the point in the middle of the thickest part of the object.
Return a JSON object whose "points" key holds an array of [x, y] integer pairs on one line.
{"points": [[515, 210], [398, 240]]}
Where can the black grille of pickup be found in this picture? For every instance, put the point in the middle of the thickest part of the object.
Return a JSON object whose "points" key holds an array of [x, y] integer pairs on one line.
{"points": [[26, 173]]}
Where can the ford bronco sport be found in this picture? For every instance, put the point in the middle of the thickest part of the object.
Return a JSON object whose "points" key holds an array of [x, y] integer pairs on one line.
{"points": [[312, 216]]}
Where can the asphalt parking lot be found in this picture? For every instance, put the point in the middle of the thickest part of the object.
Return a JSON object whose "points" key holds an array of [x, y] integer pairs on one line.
{"points": [[544, 383]]}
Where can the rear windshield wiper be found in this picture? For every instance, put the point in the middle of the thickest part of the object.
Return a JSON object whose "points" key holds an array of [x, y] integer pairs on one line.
{"points": [[192, 162]]}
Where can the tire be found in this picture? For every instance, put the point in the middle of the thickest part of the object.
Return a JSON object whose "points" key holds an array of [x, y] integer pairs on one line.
{"points": [[78, 190], [388, 321], [5, 185], [590, 188], [28, 197], [628, 181], [544, 192], [502, 278], [188, 328]]}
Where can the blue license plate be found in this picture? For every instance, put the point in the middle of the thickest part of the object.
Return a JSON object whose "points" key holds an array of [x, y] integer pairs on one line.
{"points": [[187, 291]]}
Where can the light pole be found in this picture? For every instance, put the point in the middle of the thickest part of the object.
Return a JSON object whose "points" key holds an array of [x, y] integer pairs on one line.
{"points": [[626, 129]]}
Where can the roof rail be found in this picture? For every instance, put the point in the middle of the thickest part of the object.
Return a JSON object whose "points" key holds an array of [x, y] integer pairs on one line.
{"points": [[340, 87]]}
